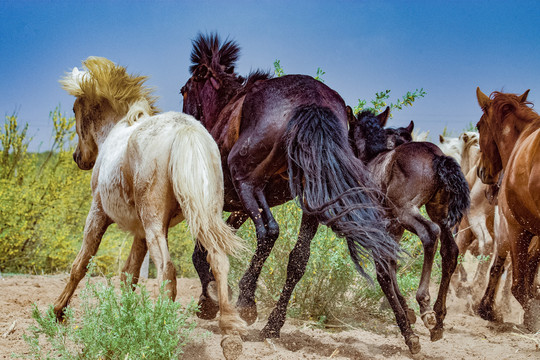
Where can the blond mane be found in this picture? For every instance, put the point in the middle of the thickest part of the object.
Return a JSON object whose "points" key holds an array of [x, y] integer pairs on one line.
{"points": [[103, 80]]}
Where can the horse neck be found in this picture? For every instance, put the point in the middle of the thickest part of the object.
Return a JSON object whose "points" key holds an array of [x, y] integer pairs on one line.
{"points": [[102, 128], [512, 134], [469, 157]]}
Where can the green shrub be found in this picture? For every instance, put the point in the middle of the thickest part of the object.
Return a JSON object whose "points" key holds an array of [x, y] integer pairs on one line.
{"points": [[128, 325]]}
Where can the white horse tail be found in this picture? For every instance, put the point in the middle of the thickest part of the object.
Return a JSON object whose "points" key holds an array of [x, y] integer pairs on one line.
{"points": [[197, 180]]}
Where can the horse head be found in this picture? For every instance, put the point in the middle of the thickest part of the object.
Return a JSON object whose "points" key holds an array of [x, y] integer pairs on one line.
{"points": [[398, 136], [496, 128], [213, 81], [367, 134], [104, 93]]}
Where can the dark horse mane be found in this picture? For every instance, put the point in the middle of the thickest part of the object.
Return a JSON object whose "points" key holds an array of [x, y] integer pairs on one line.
{"points": [[220, 58], [503, 103]]}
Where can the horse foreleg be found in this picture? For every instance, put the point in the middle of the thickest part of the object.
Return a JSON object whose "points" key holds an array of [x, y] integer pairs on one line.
{"points": [[208, 304], [96, 225], [267, 234], [449, 256], [385, 279], [134, 260], [485, 307], [296, 267], [520, 273]]}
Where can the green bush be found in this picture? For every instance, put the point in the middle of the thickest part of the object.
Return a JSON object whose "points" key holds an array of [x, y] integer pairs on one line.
{"points": [[128, 325]]}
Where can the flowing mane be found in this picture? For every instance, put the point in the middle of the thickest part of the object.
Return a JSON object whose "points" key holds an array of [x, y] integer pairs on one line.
{"points": [[208, 51], [503, 102], [103, 80]]}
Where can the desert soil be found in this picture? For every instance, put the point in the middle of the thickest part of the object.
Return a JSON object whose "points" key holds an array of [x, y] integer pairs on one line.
{"points": [[466, 336]]}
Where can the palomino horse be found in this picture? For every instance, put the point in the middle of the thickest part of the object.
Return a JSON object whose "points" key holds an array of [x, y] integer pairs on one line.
{"points": [[412, 175], [509, 141], [282, 138], [475, 232], [150, 172]]}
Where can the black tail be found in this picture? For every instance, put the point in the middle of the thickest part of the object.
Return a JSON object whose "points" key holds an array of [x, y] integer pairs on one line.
{"points": [[332, 184], [453, 180]]}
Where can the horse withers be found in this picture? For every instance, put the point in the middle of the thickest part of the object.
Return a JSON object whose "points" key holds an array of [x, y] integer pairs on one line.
{"points": [[510, 143], [150, 172]]}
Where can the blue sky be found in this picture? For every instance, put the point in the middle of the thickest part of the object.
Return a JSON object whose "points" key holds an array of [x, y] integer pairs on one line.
{"points": [[448, 48]]}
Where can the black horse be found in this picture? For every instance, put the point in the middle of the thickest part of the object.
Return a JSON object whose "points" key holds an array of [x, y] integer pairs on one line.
{"points": [[411, 175], [283, 138]]}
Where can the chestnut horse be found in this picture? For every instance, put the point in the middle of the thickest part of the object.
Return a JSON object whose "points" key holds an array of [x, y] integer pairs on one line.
{"points": [[150, 172], [411, 175], [510, 142], [280, 139]]}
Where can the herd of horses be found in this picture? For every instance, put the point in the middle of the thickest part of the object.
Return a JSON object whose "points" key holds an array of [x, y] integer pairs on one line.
{"points": [[246, 144]]}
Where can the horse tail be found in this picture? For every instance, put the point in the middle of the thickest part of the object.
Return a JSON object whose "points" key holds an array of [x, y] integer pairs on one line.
{"points": [[453, 180], [197, 181], [332, 184]]}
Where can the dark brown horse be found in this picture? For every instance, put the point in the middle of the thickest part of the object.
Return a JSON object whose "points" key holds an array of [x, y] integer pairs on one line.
{"points": [[280, 139], [411, 175], [510, 142]]}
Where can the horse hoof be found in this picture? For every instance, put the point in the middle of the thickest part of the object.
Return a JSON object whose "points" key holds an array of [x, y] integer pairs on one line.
{"points": [[436, 334], [411, 316], [429, 319], [208, 308], [414, 344], [248, 313], [231, 346]]}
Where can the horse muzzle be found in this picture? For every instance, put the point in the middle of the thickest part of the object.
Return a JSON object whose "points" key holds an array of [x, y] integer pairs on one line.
{"points": [[83, 165], [484, 176]]}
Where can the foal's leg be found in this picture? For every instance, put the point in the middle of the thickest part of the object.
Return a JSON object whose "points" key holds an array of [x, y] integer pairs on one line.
{"points": [[449, 255], [298, 260], [428, 232], [134, 260], [96, 224], [208, 304], [389, 287]]}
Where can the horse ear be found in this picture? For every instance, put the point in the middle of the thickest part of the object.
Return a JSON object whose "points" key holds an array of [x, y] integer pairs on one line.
{"points": [[214, 83], [441, 139], [350, 115], [383, 117], [483, 99], [410, 128], [523, 97]]}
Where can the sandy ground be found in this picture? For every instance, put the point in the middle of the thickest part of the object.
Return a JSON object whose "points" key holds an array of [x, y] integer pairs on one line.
{"points": [[466, 336]]}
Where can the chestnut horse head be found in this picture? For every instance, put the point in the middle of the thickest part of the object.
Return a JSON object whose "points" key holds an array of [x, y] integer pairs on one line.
{"points": [[105, 94], [499, 127]]}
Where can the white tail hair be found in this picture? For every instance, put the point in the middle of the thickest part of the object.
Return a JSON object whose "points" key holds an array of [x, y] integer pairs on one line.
{"points": [[201, 197]]}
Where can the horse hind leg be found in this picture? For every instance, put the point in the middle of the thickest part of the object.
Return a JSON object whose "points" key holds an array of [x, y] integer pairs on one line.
{"points": [[428, 232], [134, 261], [391, 290], [96, 225], [449, 254], [296, 267]]}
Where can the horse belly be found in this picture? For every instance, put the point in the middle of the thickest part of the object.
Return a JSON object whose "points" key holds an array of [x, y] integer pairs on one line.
{"points": [[121, 210]]}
